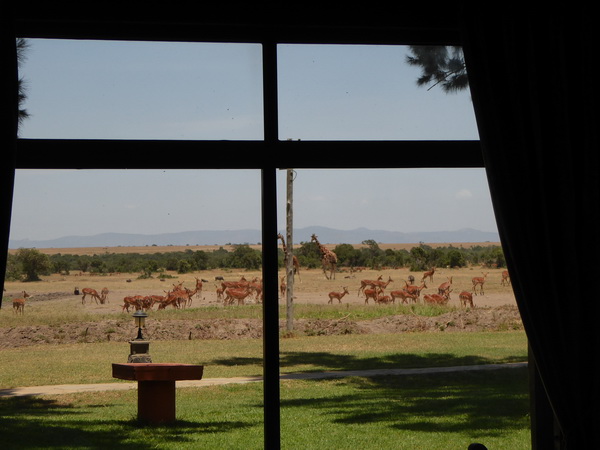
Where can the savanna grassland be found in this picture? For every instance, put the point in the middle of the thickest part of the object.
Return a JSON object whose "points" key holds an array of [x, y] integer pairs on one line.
{"points": [[54, 301], [61, 340]]}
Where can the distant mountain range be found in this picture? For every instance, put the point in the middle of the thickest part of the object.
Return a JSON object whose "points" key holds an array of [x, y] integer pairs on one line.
{"points": [[223, 237]]}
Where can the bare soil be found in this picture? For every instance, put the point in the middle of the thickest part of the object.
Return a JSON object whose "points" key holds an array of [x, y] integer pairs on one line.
{"points": [[495, 309]]}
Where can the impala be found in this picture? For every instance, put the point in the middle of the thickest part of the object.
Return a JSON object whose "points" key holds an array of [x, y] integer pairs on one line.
{"points": [[478, 281], [338, 295]]}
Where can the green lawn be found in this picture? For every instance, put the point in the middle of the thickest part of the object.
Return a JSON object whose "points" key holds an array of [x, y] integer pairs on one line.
{"points": [[443, 411], [433, 411], [91, 363]]}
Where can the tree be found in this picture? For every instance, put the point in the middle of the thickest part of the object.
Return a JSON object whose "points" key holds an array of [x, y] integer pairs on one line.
{"points": [[494, 257], [60, 266], [184, 266], [33, 263], [22, 46], [395, 258], [245, 257], [308, 254], [13, 268], [97, 265], [440, 65], [372, 254], [373, 247], [347, 255], [201, 260], [455, 258], [418, 258]]}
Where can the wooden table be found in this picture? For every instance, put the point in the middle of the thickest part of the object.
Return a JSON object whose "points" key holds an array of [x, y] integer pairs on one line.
{"points": [[156, 387]]}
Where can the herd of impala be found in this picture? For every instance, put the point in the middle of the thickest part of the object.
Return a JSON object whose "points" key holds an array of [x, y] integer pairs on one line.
{"points": [[177, 297], [181, 297], [231, 292], [376, 290]]}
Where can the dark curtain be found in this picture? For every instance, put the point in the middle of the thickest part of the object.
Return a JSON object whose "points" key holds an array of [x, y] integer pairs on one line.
{"points": [[8, 132], [535, 92]]}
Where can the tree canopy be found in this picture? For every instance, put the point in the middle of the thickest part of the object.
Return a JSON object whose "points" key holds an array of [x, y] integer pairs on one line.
{"points": [[22, 46], [440, 66]]}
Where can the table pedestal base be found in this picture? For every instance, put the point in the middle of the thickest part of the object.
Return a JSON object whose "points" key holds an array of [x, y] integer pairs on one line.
{"points": [[156, 387], [156, 402]]}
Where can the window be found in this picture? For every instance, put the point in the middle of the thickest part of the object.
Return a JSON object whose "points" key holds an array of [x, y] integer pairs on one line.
{"points": [[125, 150]]}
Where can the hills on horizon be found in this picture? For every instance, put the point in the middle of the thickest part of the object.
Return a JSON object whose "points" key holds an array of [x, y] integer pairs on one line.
{"points": [[249, 236]]}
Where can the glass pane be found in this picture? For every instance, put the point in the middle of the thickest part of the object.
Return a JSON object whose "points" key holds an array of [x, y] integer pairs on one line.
{"points": [[140, 234], [52, 204], [142, 90], [395, 200], [336, 92], [388, 226]]}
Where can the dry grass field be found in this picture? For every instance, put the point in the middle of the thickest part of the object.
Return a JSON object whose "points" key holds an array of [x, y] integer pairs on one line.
{"points": [[310, 287], [54, 297]]}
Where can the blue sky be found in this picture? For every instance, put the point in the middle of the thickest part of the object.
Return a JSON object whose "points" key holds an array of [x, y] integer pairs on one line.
{"points": [[125, 90]]}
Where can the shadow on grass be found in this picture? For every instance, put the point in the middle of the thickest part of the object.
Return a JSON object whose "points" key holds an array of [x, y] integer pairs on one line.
{"points": [[30, 422], [489, 403], [321, 361]]}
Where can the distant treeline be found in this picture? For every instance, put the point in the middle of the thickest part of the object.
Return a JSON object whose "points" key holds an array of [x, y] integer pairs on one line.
{"points": [[29, 264]]}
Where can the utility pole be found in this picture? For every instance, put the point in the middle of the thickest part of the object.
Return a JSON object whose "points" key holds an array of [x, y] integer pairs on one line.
{"points": [[289, 258]]}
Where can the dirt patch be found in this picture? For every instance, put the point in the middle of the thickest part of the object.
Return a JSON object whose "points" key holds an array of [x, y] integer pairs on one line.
{"points": [[478, 319]]}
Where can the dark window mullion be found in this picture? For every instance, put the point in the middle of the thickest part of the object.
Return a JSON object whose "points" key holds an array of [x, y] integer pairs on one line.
{"points": [[271, 388], [142, 154]]}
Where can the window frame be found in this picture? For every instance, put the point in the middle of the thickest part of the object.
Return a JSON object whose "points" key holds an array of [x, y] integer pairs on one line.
{"points": [[121, 154]]}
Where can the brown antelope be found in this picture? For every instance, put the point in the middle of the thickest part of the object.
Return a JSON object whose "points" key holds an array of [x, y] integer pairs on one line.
{"points": [[466, 297], [478, 281], [505, 278], [149, 301], [134, 301], [19, 305], [382, 285], [436, 299], [257, 287], [365, 283], [338, 295], [190, 295], [92, 293], [170, 299], [182, 296], [178, 297], [445, 287], [404, 295], [242, 283], [384, 299], [198, 287], [415, 290], [429, 274], [371, 293], [238, 294]]}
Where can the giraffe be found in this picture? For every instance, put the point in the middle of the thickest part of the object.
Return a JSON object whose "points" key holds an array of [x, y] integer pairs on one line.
{"points": [[328, 258], [295, 261]]}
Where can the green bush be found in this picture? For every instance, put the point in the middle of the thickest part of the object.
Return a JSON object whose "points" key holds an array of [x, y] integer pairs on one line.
{"points": [[27, 264]]}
